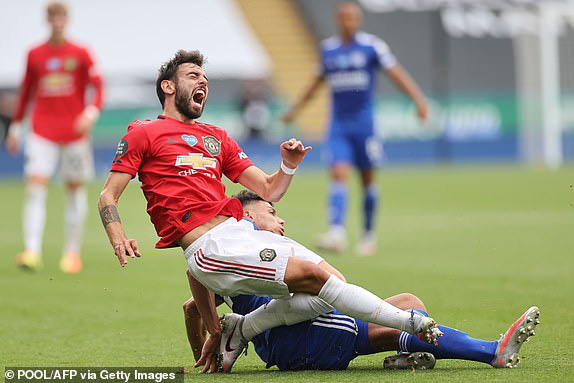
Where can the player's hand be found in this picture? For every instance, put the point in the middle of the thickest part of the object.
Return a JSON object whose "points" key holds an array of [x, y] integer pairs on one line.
{"points": [[13, 138], [13, 144], [423, 112], [126, 248], [86, 120], [209, 354], [293, 152]]}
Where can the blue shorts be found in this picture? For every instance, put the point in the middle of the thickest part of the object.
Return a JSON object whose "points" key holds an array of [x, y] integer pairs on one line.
{"points": [[333, 349], [308, 346], [328, 342], [363, 150]]}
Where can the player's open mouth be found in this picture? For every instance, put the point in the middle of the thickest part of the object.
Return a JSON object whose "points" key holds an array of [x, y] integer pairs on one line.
{"points": [[199, 96]]}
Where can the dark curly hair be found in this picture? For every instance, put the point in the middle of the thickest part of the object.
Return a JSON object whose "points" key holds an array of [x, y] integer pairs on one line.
{"points": [[168, 69], [247, 197]]}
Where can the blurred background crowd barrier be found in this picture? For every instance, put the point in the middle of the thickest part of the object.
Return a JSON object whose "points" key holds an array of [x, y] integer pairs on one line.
{"points": [[499, 74]]}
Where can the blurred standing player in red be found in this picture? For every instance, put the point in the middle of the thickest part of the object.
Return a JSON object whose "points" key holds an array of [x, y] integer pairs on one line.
{"points": [[58, 73], [349, 63]]}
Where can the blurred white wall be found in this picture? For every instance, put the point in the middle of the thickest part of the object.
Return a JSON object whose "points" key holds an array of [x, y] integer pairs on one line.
{"points": [[131, 38]]}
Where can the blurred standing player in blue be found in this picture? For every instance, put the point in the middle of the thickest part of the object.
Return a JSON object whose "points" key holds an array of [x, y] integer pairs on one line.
{"points": [[349, 64]]}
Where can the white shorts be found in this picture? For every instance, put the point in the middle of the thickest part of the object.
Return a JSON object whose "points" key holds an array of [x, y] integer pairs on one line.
{"points": [[42, 157], [233, 258]]}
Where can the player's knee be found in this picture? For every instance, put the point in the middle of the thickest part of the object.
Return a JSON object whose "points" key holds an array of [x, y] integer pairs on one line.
{"points": [[305, 277], [339, 178], [37, 181], [340, 173], [338, 274], [74, 186], [411, 301], [315, 278]]}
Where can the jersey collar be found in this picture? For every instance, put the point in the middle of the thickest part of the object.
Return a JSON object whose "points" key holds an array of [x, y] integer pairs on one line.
{"points": [[164, 117], [253, 223]]}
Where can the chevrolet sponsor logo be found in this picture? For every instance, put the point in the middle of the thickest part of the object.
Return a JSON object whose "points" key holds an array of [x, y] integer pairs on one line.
{"points": [[196, 161]]}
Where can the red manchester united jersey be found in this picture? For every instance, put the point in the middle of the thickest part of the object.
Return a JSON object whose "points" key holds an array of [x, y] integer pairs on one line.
{"points": [[180, 167], [56, 80]]}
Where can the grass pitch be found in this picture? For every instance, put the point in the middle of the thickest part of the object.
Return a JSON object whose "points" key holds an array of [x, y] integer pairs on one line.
{"points": [[479, 245]]}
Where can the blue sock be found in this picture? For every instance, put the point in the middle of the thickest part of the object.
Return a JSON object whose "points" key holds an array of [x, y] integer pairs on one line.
{"points": [[370, 200], [453, 344], [337, 203]]}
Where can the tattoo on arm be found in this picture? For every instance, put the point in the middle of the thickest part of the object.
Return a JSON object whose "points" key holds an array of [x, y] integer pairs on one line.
{"points": [[109, 214]]}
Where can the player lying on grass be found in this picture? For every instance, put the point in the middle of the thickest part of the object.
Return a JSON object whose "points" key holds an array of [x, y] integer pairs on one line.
{"points": [[180, 162], [332, 340]]}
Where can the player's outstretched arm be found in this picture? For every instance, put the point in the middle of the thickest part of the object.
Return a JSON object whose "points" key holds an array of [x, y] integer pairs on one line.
{"points": [[87, 119], [15, 129], [307, 95], [272, 187], [108, 207], [205, 301], [408, 86], [194, 326]]}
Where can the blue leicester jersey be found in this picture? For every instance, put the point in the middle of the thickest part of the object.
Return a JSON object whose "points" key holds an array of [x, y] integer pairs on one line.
{"points": [[350, 69]]}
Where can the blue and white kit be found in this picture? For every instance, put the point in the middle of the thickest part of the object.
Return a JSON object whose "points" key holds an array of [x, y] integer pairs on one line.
{"points": [[350, 69], [329, 342]]}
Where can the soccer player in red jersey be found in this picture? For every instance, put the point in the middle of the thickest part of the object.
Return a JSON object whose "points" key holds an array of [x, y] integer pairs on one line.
{"points": [[180, 162], [58, 73]]}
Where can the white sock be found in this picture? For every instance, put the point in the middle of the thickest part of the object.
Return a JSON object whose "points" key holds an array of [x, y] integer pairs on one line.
{"points": [[361, 304], [76, 207], [34, 217], [283, 312]]}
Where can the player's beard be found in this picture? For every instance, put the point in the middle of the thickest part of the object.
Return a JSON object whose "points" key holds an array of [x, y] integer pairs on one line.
{"points": [[183, 103]]}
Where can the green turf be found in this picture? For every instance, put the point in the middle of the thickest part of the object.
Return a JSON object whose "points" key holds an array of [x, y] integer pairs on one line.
{"points": [[478, 245]]}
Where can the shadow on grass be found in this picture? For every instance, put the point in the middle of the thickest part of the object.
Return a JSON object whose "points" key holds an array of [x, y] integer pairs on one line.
{"points": [[245, 372]]}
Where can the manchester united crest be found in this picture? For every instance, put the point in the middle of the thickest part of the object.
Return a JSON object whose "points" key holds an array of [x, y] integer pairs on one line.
{"points": [[70, 64], [212, 146], [267, 255]]}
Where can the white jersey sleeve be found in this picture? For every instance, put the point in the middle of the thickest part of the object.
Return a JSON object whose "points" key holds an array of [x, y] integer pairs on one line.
{"points": [[327, 44], [384, 56]]}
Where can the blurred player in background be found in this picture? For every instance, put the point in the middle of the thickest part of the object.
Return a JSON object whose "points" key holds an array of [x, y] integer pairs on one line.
{"points": [[58, 74], [349, 64]]}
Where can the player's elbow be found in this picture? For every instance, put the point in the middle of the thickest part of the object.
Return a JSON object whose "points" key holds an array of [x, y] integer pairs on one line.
{"points": [[102, 198], [271, 194], [273, 198], [106, 198]]}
